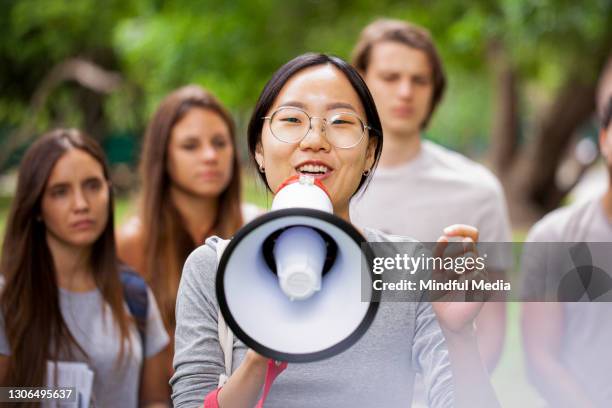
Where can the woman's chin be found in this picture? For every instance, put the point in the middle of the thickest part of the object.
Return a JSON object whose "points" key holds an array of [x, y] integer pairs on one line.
{"points": [[83, 241], [207, 192]]}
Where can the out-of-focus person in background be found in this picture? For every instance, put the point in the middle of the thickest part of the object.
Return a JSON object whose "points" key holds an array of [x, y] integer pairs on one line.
{"points": [[568, 346], [64, 297], [421, 187], [190, 177]]}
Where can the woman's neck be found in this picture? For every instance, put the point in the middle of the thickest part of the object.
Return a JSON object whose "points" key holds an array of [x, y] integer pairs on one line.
{"points": [[199, 213], [72, 266], [343, 213]]}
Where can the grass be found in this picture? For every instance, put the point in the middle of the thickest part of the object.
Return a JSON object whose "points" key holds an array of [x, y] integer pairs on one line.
{"points": [[509, 378]]}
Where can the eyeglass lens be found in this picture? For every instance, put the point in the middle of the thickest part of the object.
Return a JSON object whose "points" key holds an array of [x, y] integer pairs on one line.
{"points": [[342, 129]]}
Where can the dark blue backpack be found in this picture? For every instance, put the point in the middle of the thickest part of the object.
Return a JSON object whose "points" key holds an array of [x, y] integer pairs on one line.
{"points": [[136, 297]]}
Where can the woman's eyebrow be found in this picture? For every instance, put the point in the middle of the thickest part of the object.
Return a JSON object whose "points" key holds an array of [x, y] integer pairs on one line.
{"points": [[294, 104], [341, 105], [188, 137], [58, 185], [90, 179], [330, 106]]}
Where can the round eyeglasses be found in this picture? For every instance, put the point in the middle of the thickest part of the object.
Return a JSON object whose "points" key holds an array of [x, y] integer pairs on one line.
{"points": [[343, 130]]}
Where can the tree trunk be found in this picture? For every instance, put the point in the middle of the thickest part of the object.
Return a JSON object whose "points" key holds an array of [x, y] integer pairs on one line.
{"points": [[91, 105], [573, 106], [528, 173], [85, 73], [505, 125]]}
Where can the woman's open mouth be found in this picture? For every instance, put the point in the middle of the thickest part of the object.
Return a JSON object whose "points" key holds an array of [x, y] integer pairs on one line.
{"points": [[318, 171]]}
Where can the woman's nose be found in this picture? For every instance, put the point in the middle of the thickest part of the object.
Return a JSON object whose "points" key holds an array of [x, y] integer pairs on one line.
{"points": [[209, 153], [80, 202], [316, 138]]}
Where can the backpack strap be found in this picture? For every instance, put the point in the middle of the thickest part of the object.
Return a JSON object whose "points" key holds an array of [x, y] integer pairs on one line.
{"points": [[226, 337], [137, 298], [226, 340]]}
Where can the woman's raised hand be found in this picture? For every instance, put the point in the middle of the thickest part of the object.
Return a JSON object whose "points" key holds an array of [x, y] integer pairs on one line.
{"points": [[456, 315]]}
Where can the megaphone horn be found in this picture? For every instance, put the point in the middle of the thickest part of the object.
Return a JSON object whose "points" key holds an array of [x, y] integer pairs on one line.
{"points": [[289, 283]]}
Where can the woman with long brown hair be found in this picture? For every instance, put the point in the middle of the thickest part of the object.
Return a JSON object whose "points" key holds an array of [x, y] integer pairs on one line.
{"points": [[64, 297], [190, 177]]}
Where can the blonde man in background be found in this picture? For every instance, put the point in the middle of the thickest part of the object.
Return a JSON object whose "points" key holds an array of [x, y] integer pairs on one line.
{"points": [[421, 187]]}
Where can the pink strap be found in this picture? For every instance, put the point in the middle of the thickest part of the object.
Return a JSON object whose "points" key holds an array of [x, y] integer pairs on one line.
{"points": [[272, 372], [211, 399]]}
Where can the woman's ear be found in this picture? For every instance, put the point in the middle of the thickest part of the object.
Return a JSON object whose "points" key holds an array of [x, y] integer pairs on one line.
{"points": [[259, 157], [370, 153]]}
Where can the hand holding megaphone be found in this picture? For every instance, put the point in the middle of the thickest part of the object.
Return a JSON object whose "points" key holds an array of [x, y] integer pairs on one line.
{"points": [[254, 376]]}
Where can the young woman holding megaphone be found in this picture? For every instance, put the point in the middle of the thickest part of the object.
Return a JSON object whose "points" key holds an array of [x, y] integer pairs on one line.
{"points": [[316, 117]]}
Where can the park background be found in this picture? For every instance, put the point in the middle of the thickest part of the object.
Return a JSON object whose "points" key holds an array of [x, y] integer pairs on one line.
{"points": [[521, 96]]}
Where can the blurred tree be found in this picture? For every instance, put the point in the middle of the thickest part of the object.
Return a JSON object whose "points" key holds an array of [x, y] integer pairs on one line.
{"points": [[554, 48], [57, 65], [521, 71], [542, 58]]}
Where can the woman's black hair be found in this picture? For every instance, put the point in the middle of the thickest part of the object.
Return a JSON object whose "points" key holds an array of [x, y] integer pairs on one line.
{"points": [[280, 78]]}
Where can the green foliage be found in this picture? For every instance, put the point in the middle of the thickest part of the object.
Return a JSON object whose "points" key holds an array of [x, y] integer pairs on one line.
{"points": [[37, 34], [463, 119], [233, 47]]}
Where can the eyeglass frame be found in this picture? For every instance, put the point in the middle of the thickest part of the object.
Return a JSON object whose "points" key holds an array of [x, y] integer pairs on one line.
{"points": [[364, 126]]}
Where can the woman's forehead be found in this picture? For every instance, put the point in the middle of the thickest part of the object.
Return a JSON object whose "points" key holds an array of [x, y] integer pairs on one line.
{"points": [[320, 88], [75, 164]]}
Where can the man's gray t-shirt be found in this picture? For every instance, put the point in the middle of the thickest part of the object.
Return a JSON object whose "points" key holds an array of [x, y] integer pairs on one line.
{"points": [[377, 371], [438, 188], [586, 347], [97, 333]]}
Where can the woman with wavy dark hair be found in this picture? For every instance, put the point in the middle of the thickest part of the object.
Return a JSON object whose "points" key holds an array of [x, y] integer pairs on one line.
{"points": [[64, 297]]}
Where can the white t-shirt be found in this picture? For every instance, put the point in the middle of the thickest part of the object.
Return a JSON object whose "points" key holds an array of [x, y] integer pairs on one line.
{"points": [[587, 328], [436, 189], [91, 322]]}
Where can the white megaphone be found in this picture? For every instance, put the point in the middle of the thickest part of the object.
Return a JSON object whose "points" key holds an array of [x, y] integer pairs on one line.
{"points": [[295, 284]]}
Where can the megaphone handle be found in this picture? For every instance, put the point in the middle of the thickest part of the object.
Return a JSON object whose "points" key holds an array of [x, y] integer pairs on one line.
{"points": [[274, 369]]}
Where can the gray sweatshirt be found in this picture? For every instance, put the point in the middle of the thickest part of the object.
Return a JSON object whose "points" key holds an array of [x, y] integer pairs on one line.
{"points": [[377, 371]]}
